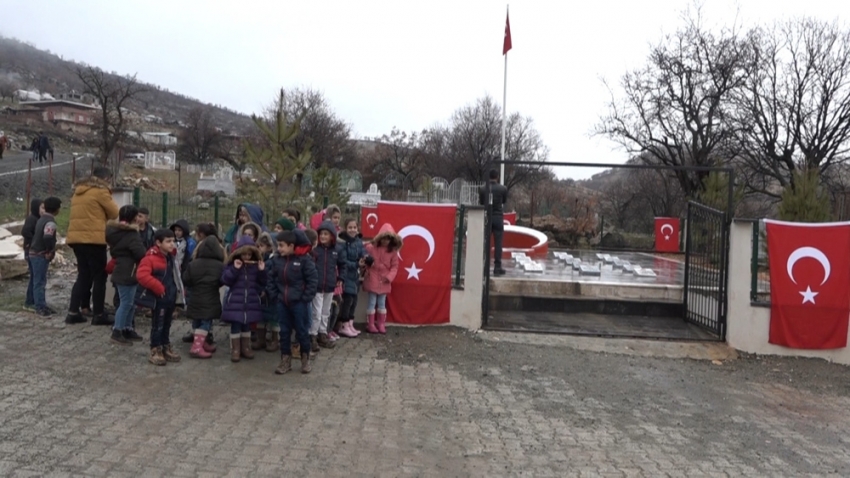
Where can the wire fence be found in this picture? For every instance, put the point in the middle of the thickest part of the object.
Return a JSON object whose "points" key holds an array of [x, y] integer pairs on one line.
{"points": [[39, 181]]}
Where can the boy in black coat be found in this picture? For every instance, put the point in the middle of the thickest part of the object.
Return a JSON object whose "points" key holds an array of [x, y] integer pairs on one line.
{"points": [[28, 232], [42, 250]]}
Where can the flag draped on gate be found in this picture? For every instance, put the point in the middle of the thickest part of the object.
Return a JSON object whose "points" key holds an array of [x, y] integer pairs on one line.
{"points": [[809, 284], [422, 288]]}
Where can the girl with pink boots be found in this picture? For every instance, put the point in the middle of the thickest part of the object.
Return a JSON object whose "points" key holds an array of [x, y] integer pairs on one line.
{"points": [[203, 279], [352, 253], [381, 268]]}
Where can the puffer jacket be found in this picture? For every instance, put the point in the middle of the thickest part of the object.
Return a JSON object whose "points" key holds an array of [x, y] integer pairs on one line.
{"points": [[159, 280], [28, 231], [293, 278], [185, 246], [351, 251], [203, 280], [126, 249], [254, 212], [91, 207], [329, 263], [380, 275], [243, 303]]}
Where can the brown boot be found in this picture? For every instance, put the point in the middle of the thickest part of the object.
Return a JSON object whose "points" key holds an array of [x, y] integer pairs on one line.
{"points": [[273, 345], [296, 351], [285, 365], [169, 354], [314, 344], [156, 357], [235, 345], [246, 346], [305, 363], [260, 344], [325, 342]]}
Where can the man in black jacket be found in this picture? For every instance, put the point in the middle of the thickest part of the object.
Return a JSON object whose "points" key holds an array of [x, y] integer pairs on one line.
{"points": [[28, 232], [497, 195]]}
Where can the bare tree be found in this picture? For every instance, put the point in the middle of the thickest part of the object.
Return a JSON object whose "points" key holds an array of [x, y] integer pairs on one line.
{"points": [[673, 110], [793, 111], [400, 153], [201, 141], [113, 94], [327, 136], [8, 88], [471, 144]]}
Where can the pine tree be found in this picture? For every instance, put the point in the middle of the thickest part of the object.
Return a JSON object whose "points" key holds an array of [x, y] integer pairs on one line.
{"points": [[806, 201]]}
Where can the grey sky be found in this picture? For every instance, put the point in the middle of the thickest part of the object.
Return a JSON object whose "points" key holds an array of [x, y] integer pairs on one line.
{"points": [[385, 63]]}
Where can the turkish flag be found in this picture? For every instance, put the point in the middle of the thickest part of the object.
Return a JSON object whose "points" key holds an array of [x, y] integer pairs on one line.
{"points": [[809, 284], [506, 45], [422, 288], [369, 221], [667, 234], [510, 218]]}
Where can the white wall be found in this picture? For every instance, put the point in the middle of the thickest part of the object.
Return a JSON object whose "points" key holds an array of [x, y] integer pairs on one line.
{"points": [[748, 326]]}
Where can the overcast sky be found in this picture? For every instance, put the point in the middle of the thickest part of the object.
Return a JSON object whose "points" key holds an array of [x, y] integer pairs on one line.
{"points": [[385, 63]]}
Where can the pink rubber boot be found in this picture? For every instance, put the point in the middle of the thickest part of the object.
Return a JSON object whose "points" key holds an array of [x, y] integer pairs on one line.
{"points": [[382, 320], [197, 350], [370, 324]]}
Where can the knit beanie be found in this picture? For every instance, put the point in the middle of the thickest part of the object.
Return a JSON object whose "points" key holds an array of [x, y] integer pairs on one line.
{"points": [[286, 224]]}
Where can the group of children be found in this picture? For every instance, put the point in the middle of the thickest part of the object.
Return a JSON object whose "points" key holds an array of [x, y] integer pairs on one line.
{"points": [[277, 283]]}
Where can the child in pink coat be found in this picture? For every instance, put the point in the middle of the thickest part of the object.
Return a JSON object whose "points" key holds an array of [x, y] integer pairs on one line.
{"points": [[381, 267]]}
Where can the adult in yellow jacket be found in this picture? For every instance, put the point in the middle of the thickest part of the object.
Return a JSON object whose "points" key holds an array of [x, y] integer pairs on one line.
{"points": [[91, 207]]}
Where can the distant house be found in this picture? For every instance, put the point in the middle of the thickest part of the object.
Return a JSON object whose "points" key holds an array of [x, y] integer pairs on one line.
{"points": [[165, 138], [67, 115]]}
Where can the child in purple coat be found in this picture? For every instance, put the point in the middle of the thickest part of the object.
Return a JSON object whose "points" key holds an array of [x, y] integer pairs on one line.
{"points": [[245, 276]]}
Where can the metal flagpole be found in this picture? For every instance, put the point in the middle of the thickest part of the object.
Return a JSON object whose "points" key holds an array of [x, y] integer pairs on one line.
{"points": [[504, 114]]}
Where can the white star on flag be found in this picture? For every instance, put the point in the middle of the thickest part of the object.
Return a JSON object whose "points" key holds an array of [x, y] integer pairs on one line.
{"points": [[413, 272], [808, 295]]}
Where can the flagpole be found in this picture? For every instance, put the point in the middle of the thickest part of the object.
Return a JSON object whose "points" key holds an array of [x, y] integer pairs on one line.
{"points": [[504, 114]]}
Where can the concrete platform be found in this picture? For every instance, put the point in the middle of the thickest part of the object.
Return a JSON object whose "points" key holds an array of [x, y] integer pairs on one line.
{"points": [[559, 277]]}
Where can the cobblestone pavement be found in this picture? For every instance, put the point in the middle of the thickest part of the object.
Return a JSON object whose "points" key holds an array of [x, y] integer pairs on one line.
{"points": [[417, 402]]}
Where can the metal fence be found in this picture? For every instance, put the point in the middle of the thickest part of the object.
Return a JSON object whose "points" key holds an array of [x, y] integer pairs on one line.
{"points": [[759, 268], [17, 187]]}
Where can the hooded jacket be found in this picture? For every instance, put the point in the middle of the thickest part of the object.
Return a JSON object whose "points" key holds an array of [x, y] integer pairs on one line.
{"points": [[241, 232], [159, 280], [203, 280], [126, 249], [91, 207], [382, 272], [329, 262], [256, 215], [184, 247], [293, 278], [243, 304], [351, 251], [28, 231]]}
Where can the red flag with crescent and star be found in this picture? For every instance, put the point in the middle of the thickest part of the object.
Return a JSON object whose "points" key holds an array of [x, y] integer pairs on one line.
{"points": [[667, 234], [369, 221], [422, 288], [809, 284], [507, 45]]}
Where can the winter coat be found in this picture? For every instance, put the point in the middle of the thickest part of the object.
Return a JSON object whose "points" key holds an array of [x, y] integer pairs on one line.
{"points": [[293, 278], [185, 246], [243, 304], [28, 231], [202, 279], [147, 235], [256, 215], [91, 207], [269, 304], [44, 144], [382, 272], [351, 251], [126, 249], [241, 231], [159, 280], [329, 262]]}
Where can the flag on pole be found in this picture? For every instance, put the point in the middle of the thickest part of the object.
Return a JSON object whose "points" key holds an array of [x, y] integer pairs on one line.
{"points": [[506, 46]]}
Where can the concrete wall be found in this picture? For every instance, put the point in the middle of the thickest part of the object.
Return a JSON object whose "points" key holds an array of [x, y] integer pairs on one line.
{"points": [[748, 325]]}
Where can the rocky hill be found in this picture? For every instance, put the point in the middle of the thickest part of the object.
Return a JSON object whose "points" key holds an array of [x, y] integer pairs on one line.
{"points": [[23, 66]]}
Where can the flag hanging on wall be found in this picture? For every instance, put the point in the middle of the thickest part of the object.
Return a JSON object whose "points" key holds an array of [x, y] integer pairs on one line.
{"points": [[809, 284], [421, 292]]}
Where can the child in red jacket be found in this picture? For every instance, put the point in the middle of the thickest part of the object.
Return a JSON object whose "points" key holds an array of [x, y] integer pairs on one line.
{"points": [[158, 278]]}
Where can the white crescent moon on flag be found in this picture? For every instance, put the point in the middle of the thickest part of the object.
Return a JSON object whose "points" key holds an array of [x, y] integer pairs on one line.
{"points": [[506, 222], [668, 226], [814, 253], [416, 230], [371, 215]]}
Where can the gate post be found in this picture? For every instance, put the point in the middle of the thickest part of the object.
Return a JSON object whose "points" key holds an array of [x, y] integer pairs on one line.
{"points": [[687, 260]]}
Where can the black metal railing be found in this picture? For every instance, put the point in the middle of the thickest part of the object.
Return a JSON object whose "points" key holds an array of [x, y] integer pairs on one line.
{"points": [[706, 268]]}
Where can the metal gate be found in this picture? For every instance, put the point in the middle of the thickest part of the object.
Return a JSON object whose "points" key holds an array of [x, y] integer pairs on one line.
{"points": [[706, 268]]}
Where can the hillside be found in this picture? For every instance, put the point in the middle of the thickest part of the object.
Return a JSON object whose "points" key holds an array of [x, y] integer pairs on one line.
{"points": [[23, 66]]}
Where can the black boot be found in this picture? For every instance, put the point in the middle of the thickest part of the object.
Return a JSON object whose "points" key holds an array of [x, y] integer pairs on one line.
{"points": [[189, 337], [75, 318], [102, 319]]}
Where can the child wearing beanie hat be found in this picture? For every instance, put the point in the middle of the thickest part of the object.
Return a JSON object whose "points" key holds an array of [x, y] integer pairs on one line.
{"points": [[283, 224]]}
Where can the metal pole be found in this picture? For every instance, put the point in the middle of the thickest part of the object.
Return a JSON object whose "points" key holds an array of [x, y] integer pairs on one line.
{"points": [[50, 174], [29, 190], [504, 118]]}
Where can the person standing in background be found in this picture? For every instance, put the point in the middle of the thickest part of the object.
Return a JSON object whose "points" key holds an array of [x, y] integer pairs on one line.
{"points": [[497, 195]]}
